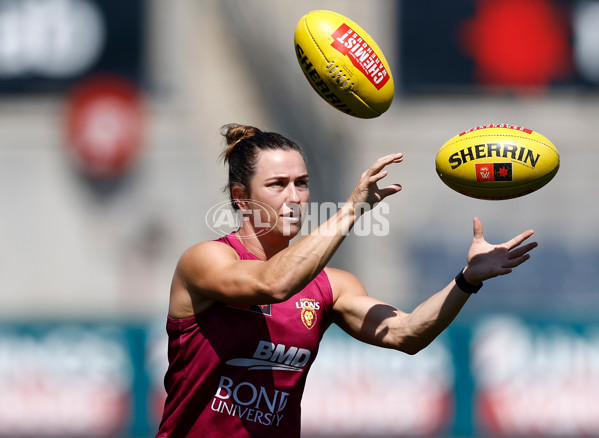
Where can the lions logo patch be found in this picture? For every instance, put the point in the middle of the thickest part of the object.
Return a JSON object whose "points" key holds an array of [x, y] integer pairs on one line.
{"points": [[308, 307], [308, 316]]}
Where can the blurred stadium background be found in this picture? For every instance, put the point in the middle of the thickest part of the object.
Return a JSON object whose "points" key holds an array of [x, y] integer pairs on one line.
{"points": [[109, 126]]}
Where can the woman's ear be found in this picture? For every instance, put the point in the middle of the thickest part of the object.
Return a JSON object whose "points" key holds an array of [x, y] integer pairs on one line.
{"points": [[240, 196]]}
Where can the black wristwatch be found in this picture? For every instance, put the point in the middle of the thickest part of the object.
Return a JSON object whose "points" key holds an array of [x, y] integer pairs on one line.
{"points": [[461, 282]]}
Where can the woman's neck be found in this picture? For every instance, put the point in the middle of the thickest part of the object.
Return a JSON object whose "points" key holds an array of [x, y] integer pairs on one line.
{"points": [[264, 247]]}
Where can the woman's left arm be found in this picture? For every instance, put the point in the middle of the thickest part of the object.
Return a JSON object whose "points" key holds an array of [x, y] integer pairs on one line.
{"points": [[375, 322]]}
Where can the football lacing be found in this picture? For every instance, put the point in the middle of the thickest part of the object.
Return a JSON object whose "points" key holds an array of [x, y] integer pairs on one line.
{"points": [[342, 80]]}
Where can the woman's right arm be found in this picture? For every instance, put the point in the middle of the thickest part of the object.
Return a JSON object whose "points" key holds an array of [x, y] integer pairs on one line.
{"points": [[213, 270]]}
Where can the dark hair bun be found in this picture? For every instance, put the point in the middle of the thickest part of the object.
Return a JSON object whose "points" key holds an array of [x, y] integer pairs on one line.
{"points": [[235, 133]]}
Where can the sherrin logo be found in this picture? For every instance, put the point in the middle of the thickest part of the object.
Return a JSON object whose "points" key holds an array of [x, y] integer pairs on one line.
{"points": [[500, 150]]}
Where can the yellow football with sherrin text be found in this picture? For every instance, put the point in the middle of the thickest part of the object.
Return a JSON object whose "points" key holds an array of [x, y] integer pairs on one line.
{"points": [[344, 65], [497, 161]]}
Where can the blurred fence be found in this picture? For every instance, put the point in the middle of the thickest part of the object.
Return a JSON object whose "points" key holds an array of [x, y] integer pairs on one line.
{"points": [[499, 375]]}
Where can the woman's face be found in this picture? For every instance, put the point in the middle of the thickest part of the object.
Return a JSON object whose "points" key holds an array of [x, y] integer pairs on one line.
{"points": [[280, 185]]}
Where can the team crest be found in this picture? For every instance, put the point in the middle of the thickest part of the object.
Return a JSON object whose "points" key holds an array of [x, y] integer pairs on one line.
{"points": [[308, 316], [493, 172]]}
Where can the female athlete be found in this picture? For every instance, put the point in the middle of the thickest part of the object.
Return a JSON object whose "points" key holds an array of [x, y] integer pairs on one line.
{"points": [[247, 311]]}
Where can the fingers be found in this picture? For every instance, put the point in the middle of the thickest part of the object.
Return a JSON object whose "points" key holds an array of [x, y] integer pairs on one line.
{"points": [[516, 241], [519, 252], [379, 164], [519, 255], [516, 262], [375, 173], [477, 228], [510, 244], [389, 190], [376, 178]]}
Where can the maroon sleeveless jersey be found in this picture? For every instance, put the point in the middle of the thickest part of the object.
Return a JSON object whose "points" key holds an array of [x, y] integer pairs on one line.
{"points": [[240, 371]]}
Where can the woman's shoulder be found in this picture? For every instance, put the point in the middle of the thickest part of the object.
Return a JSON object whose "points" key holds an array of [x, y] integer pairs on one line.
{"points": [[344, 282], [209, 250], [336, 274]]}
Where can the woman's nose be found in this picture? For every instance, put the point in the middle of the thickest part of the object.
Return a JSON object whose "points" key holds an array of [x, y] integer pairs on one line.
{"points": [[293, 194]]}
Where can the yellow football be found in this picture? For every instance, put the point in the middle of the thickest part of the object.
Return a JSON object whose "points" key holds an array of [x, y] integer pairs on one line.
{"points": [[343, 64], [497, 161]]}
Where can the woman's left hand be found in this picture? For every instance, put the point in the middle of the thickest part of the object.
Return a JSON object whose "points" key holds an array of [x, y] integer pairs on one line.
{"points": [[486, 260]]}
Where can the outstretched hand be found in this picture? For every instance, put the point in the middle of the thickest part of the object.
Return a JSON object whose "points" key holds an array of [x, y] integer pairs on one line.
{"points": [[367, 190], [486, 260]]}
